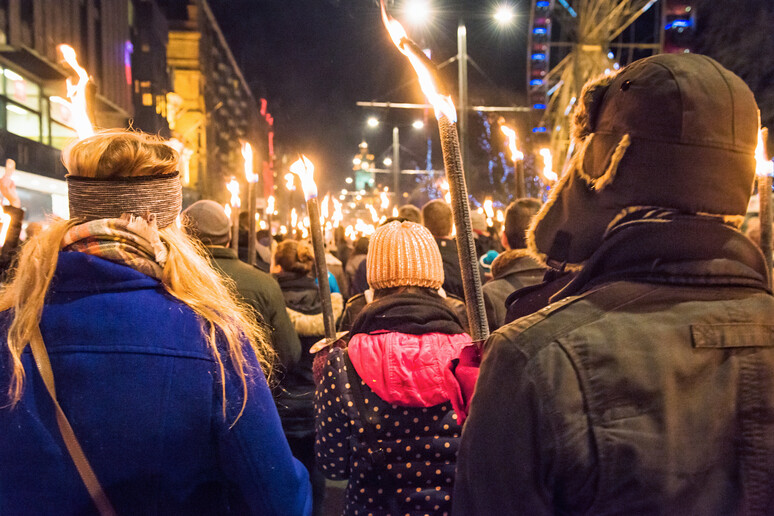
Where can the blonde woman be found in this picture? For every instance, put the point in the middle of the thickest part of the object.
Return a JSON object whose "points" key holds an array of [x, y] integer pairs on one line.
{"points": [[156, 366]]}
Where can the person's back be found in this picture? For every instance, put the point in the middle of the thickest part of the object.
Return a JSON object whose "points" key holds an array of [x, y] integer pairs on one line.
{"points": [[645, 387], [384, 420], [166, 415]]}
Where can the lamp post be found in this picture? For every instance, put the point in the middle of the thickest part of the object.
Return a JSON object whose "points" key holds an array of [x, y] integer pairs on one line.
{"points": [[462, 79], [396, 163]]}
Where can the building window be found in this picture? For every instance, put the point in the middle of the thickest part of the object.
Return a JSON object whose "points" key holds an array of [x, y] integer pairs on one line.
{"points": [[22, 121]]}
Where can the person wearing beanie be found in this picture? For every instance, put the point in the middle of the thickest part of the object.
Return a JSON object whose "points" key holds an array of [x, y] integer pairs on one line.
{"points": [[647, 385], [207, 221], [383, 417]]}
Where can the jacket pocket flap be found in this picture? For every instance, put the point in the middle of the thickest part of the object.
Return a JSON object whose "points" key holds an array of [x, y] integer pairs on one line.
{"points": [[732, 335]]}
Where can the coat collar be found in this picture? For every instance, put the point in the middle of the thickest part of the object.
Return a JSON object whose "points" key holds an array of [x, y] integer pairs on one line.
{"points": [[81, 272], [222, 253], [514, 261], [690, 251]]}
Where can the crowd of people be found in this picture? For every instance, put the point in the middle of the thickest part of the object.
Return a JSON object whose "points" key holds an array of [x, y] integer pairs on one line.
{"points": [[147, 369]]}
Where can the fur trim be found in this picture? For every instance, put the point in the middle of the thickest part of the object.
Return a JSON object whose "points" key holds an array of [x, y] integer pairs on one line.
{"points": [[311, 325], [531, 242], [584, 117], [612, 168]]}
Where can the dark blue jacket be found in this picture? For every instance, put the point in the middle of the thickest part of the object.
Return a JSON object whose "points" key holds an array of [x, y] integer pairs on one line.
{"points": [[142, 392]]}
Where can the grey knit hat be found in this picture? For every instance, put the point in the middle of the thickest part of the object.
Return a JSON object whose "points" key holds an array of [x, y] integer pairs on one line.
{"points": [[674, 131], [207, 220]]}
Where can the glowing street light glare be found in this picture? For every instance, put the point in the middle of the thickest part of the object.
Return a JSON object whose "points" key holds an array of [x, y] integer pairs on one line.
{"points": [[442, 104], [77, 94], [418, 124], [387, 162], [304, 169], [503, 15], [373, 122], [349, 180], [418, 12]]}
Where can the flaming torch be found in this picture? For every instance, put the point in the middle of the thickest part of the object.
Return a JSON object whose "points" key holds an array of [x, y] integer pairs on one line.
{"points": [[233, 188], [252, 178], [446, 115], [77, 94], [304, 169], [764, 170], [518, 159]]}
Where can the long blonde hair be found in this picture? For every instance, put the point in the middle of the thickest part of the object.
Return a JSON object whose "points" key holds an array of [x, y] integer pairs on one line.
{"points": [[187, 274]]}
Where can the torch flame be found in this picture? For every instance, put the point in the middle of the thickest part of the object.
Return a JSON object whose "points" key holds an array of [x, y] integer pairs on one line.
{"points": [[293, 218], [385, 200], [270, 205], [77, 94], [227, 209], [442, 104], [372, 211], [500, 216], [324, 206], [395, 211], [488, 208], [510, 135], [290, 182], [338, 216], [763, 165], [233, 187], [247, 154], [304, 169], [548, 172]]}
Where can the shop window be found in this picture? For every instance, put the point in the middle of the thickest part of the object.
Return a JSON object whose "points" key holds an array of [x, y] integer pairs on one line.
{"points": [[22, 121], [21, 90], [61, 135]]}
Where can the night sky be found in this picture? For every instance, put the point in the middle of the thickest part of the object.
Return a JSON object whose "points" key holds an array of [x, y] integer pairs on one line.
{"points": [[313, 59]]}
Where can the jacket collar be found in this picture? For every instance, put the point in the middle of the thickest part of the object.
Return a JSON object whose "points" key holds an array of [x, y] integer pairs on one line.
{"points": [[81, 272], [222, 253], [514, 261], [690, 251]]}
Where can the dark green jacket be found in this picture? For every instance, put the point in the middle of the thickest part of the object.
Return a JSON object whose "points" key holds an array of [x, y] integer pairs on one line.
{"points": [[263, 294], [648, 388]]}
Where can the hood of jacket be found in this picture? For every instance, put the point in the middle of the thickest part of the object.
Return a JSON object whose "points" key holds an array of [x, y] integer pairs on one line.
{"points": [[406, 369], [401, 345], [312, 324], [514, 261]]}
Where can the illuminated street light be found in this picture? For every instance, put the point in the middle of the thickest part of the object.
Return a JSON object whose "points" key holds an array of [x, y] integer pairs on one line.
{"points": [[356, 161], [417, 12], [504, 15], [418, 124], [387, 162], [373, 122], [348, 180]]}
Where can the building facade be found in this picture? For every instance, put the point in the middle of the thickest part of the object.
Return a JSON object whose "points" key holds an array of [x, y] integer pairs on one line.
{"points": [[212, 109]]}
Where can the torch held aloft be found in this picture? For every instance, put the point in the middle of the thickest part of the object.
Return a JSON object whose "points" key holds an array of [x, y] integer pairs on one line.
{"points": [[466, 247], [313, 208]]}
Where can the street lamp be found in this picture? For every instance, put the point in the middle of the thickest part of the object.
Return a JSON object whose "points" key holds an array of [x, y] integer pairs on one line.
{"points": [[417, 12], [418, 124], [373, 122], [504, 15]]}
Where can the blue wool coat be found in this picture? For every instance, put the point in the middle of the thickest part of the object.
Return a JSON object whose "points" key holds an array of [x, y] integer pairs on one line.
{"points": [[143, 394]]}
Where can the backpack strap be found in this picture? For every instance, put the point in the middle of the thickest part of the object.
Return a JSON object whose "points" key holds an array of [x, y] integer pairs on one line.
{"points": [[93, 486], [375, 452]]}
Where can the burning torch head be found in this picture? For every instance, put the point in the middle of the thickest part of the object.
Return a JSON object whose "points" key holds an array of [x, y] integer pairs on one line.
{"points": [[671, 131]]}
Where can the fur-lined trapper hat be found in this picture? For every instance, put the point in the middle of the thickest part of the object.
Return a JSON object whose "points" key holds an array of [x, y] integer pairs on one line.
{"points": [[675, 131]]}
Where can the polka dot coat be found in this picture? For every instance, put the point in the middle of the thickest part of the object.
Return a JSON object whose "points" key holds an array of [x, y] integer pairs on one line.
{"points": [[419, 444]]}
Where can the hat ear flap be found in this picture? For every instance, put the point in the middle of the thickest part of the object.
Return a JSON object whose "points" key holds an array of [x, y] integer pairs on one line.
{"points": [[586, 112]]}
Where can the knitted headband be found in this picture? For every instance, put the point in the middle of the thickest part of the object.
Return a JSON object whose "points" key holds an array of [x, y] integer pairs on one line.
{"points": [[95, 198]]}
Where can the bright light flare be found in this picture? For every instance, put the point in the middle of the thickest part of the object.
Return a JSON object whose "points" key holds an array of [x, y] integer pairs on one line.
{"points": [[763, 165], [324, 206], [338, 216], [227, 209], [270, 205], [233, 188], [373, 122], [77, 94], [442, 104], [548, 172], [293, 218], [504, 15], [418, 124], [372, 211], [418, 12], [500, 216], [5, 222], [304, 169], [247, 155], [512, 142], [394, 211]]}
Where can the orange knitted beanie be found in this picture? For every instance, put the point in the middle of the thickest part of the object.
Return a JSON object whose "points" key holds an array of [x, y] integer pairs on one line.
{"points": [[404, 254]]}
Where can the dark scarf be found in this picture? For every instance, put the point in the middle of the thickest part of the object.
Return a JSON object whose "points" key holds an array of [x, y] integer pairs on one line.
{"points": [[663, 246], [414, 313]]}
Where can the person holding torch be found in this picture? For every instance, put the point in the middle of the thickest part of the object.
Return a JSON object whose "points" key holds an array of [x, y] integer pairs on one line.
{"points": [[646, 386]]}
